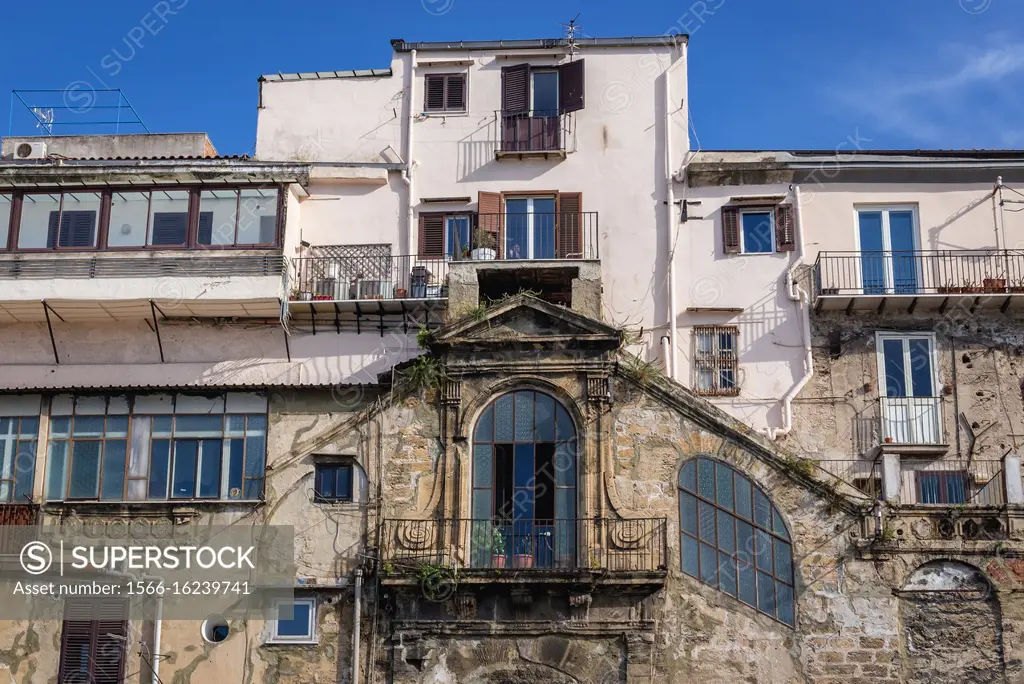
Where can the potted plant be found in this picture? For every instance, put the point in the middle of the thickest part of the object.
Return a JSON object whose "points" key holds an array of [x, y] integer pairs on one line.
{"points": [[485, 246], [523, 558], [498, 557], [970, 287], [1017, 286], [948, 288], [994, 284]]}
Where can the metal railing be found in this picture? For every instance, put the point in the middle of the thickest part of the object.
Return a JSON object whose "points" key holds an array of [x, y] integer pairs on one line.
{"points": [[911, 420], [862, 474], [16, 523], [953, 482], [876, 273], [209, 264], [358, 278], [537, 131], [534, 235], [559, 545]]}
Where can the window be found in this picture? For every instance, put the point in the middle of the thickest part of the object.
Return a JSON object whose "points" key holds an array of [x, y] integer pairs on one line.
{"points": [[296, 621], [942, 487], [445, 93], [166, 447], [716, 360], [544, 92], [734, 539], [93, 642], [758, 230], [533, 102], [18, 438], [529, 228], [456, 237], [911, 413], [888, 240], [156, 217], [333, 482]]}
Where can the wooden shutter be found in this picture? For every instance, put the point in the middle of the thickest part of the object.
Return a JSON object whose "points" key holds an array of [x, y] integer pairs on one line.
{"points": [[432, 236], [455, 93], [730, 230], [568, 226], [571, 86], [785, 228], [490, 217], [515, 89], [433, 96], [79, 227], [93, 642], [170, 228]]}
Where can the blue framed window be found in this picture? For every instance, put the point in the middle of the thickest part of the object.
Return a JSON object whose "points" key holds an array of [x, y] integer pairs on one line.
{"points": [[18, 437], [942, 487], [758, 231], [333, 482], [296, 621], [456, 237]]}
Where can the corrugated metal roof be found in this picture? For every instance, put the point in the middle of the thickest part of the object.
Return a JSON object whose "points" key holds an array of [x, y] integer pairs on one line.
{"points": [[401, 45], [314, 75]]}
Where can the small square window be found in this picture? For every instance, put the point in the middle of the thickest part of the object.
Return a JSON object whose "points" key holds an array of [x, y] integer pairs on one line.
{"points": [[333, 482], [716, 360], [758, 231], [444, 93], [296, 621]]}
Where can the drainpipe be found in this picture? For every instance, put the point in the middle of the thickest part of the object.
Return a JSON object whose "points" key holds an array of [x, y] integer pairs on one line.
{"points": [[670, 218], [666, 356], [799, 295], [410, 223], [357, 610], [157, 629]]}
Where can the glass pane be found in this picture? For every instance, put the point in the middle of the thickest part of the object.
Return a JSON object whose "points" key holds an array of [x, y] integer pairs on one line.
{"points": [[689, 559], [895, 371], [783, 561], [545, 93], [724, 480], [707, 522], [757, 231], [903, 258], [88, 426], [218, 211], [762, 510], [60, 427], [344, 483], [726, 532], [253, 489], [481, 504], [5, 219], [779, 524], [129, 214], [517, 228], [158, 469], [116, 426], [236, 425], [209, 468], [137, 490], [727, 574], [482, 461], [56, 472], [456, 236], [688, 476], [784, 599], [257, 220], [764, 551], [186, 455], [114, 453], [872, 257], [921, 367], [706, 479], [138, 460], [163, 425], [24, 470], [524, 416], [565, 427], [747, 587], [766, 593], [565, 504], [39, 217], [745, 544], [85, 470], [503, 419], [199, 426], [545, 418], [326, 482], [255, 456], [565, 464], [29, 427], [485, 426], [743, 493], [5, 491], [79, 219], [688, 513], [708, 565], [293, 620], [256, 423], [543, 228], [168, 218]]}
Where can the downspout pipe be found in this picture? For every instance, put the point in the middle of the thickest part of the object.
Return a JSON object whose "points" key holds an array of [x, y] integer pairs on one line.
{"points": [[671, 222], [157, 633], [357, 611], [796, 294], [407, 175]]}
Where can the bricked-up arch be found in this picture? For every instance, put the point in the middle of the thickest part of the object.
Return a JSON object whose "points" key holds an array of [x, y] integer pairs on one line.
{"points": [[733, 538], [951, 626], [524, 482]]}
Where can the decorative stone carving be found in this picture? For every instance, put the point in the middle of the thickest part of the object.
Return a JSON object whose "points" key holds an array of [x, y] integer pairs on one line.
{"points": [[579, 606], [452, 395], [416, 535]]}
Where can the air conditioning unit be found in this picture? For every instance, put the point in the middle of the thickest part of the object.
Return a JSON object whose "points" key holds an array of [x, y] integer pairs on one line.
{"points": [[30, 150]]}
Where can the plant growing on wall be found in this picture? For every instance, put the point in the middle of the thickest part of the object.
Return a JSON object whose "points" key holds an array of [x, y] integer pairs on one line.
{"points": [[425, 372]]}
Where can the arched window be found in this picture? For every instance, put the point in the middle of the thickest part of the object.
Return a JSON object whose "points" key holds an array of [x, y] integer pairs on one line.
{"points": [[524, 483], [734, 539]]}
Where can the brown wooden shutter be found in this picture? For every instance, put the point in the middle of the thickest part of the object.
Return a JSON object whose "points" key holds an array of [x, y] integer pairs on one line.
{"points": [[93, 642], [432, 236], [568, 226], [455, 93], [785, 228], [571, 86], [730, 230], [490, 217], [433, 93], [515, 89]]}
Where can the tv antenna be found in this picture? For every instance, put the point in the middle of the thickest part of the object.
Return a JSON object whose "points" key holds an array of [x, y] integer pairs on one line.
{"points": [[570, 30], [44, 118]]}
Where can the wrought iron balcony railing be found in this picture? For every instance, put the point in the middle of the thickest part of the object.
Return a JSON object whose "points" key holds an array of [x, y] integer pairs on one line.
{"points": [[911, 420], [530, 235], [877, 273], [16, 523], [559, 545], [346, 278], [536, 131]]}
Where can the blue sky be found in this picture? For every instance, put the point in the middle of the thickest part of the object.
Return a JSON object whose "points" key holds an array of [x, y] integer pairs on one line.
{"points": [[763, 74]]}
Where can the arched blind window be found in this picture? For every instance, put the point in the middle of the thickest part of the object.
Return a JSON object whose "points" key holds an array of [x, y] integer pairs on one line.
{"points": [[734, 539]]}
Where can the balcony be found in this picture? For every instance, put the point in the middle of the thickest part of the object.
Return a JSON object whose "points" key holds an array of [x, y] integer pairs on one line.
{"points": [[132, 285], [910, 281], [530, 236], [924, 482], [17, 526], [560, 551], [531, 135], [912, 425]]}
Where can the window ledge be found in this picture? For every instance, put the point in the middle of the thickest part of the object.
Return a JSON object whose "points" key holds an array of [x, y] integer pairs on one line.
{"points": [[173, 507], [292, 642], [912, 450]]}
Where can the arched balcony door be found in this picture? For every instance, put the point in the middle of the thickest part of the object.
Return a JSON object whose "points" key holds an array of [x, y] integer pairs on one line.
{"points": [[524, 484]]}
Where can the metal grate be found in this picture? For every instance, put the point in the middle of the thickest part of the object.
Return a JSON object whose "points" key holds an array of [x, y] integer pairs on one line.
{"points": [[716, 360], [107, 266], [350, 263]]}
